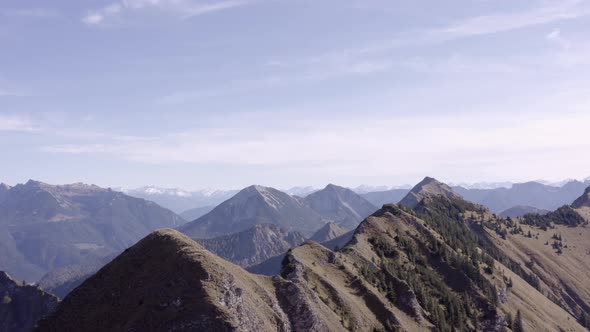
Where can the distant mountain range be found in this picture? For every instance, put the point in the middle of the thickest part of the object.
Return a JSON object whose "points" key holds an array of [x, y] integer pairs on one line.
{"points": [[498, 196], [533, 194], [179, 200], [43, 227], [521, 210], [436, 261], [196, 213], [262, 205]]}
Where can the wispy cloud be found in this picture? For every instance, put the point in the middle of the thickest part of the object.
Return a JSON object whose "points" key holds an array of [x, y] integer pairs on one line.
{"points": [[548, 12], [495, 142], [180, 8], [16, 123], [307, 71]]}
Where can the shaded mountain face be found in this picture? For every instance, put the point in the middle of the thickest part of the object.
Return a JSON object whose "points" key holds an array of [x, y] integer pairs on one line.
{"points": [[4, 189], [521, 210], [168, 282], [255, 205], [340, 205], [534, 194], [179, 200], [22, 305], [253, 245], [329, 232], [196, 213], [46, 226], [429, 187], [378, 198], [63, 280]]}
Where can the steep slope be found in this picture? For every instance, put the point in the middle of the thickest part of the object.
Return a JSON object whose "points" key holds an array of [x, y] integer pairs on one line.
{"points": [[535, 194], [253, 245], [582, 201], [196, 213], [427, 188], [46, 226], [340, 205], [378, 198], [255, 205], [167, 282], [22, 305], [4, 189], [329, 232], [521, 210], [274, 264]]}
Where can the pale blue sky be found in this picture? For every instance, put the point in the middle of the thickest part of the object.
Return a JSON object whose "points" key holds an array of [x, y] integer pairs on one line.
{"points": [[192, 94]]}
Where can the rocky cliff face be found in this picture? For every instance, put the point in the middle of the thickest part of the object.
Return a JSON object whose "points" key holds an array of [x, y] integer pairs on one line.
{"points": [[22, 305], [253, 245]]}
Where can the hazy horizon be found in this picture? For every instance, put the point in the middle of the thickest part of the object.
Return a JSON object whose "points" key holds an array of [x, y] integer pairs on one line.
{"points": [[223, 94], [361, 186]]}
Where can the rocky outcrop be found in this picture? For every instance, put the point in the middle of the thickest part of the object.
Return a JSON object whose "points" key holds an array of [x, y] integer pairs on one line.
{"points": [[427, 188], [22, 305]]}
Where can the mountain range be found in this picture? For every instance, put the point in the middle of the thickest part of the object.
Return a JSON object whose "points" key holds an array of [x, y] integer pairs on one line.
{"points": [[179, 200], [262, 205], [533, 194], [44, 227], [435, 262]]}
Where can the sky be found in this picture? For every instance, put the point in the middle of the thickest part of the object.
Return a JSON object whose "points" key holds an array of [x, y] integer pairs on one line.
{"points": [[227, 93]]}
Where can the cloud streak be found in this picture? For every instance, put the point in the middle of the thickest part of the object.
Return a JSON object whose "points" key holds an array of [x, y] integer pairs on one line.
{"points": [[16, 124], [449, 145], [180, 8]]}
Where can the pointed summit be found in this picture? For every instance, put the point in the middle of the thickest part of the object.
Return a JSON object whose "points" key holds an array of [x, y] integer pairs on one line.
{"points": [[427, 187], [255, 205], [168, 282], [582, 201], [340, 205]]}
